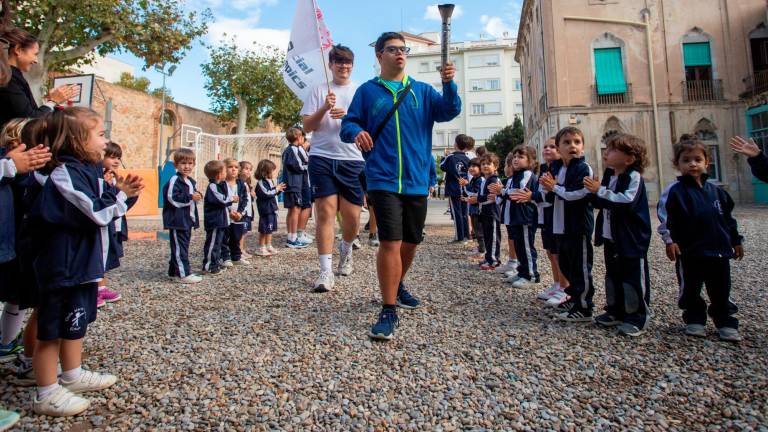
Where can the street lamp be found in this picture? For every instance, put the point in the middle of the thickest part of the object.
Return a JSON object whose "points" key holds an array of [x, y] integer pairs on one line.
{"points": [[161, 70]]}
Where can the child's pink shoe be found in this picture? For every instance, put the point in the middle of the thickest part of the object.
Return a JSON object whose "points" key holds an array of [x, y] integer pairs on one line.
{"points": [[108, 295]]}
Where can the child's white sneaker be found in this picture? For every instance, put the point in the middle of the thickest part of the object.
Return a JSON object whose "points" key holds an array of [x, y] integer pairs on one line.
{"points": [[696, 330], [60, 403], [263, 252], [227, 263], [729, 334], [90, 381], [558, 298], [547, 293], [191, 279], [241, 261], [271, 249], [521, 283], [510, 265]]}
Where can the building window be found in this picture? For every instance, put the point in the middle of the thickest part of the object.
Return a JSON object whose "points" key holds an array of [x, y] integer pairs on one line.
{"points": [[705, 131], [609, 71], [436, 66], [424, 67], [697, 58], [518, 108], [484, 60], [486, 84], [488, 108], [483, 133], [518, 85]]}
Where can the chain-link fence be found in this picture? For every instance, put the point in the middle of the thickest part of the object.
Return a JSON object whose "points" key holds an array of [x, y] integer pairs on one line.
{"points": [[251, 148]]}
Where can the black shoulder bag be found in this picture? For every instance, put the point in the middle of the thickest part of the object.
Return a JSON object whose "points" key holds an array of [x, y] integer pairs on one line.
{"points": [[391, 112]]}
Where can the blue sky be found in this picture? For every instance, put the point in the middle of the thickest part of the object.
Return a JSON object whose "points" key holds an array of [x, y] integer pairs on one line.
{"points": [[354, 23]]}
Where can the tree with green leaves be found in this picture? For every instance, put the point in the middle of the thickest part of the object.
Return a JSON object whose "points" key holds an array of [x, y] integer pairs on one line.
{"points": [[503, 141], [247, 85], [127, 80], [70, 31]]}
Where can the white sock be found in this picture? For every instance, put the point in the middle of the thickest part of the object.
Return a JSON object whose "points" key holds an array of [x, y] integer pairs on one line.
{"points": [[72, 374], [292, 237], [346, 246], [326, 262], [556, 285], [43, 391], [300, 233], [11, 323]]}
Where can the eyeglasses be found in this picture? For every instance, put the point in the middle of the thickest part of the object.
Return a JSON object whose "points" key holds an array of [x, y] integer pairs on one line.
{"points": [[343, 64], [393, 49]]}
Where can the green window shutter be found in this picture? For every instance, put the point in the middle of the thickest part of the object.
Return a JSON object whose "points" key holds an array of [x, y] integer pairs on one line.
{"points": [[609, 72], [697, 54]]}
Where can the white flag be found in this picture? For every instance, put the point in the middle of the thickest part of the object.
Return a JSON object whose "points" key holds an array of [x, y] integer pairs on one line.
{"points": [[304, 66]]}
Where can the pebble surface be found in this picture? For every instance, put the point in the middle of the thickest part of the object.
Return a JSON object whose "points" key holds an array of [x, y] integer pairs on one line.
{"points": [[254, 349]]}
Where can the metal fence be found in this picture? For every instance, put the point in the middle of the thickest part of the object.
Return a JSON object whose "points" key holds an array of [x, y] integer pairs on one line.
{"points": [[251, 148]]}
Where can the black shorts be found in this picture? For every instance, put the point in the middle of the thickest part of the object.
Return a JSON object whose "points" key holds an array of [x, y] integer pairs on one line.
{"points": [[268, 223], [65, 313], [399, 217], [549, 241], [292, 199], [306, 197]]}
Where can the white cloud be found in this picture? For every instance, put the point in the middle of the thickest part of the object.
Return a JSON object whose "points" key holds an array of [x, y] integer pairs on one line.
{"points": [[245, 32], [433, 14], [496, 27], [240, 5]]}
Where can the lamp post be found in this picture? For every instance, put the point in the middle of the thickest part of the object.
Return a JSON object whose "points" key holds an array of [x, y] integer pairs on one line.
{"points": [[161, 70]]}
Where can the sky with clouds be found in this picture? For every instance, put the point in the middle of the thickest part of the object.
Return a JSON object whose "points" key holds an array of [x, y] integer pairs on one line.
{"points": [[355, 23]]}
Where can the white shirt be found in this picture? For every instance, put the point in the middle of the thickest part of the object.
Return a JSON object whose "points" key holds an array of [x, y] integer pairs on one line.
{"points": [[325, 139]]}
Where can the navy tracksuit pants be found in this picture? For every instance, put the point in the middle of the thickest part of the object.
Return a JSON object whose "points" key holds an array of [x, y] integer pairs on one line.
{"points": [[492, 238], [627, 287], [178, 265], [459, 212], [715, 273], [230, 244], [212, 249], [524, 237], [575, 261]]}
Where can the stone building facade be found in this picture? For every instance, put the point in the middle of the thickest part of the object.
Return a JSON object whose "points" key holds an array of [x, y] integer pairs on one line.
{"points": [[591, 64]]}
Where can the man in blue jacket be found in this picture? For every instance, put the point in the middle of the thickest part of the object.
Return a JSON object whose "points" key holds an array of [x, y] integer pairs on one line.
{"points": [[398, 162]]}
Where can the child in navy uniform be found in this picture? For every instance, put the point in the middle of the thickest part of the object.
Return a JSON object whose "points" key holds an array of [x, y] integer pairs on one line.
{"points": [[702, 237], [295, 175], [73, 215], [520, 214], [455, 167], [489, 211], [624, 230], [266, 205], [216, 215], [180, 215], [573, 223], [472, 189], [245, 176], [231, 253]]}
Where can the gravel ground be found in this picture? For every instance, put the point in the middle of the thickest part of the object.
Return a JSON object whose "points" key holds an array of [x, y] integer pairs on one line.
{"points": [[254, 349]]}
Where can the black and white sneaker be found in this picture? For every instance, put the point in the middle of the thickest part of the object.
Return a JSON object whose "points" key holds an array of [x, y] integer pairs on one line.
{"points": [[575, 315], [607, 320]]}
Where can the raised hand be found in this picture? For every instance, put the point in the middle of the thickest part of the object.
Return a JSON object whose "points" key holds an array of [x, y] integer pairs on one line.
{"points": [[592, 184], [747, 148], [29, 160], [447, 72], [547, 182]]}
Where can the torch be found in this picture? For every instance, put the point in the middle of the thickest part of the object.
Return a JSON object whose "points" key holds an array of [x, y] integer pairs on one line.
{"points": [[446, 10]]}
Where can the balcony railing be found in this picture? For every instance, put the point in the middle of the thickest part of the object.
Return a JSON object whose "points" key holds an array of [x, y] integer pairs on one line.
{"points": [[756, 83], [703, 91], [622, 97]]}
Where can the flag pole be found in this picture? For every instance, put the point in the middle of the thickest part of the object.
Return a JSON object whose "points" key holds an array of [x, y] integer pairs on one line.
{"points": [[320, 42]]}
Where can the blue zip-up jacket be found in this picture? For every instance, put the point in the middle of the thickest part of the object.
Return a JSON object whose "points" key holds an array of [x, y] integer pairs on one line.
{"points": [[572, 214], [545, 208], [514, 213], [118, 230], [249, 208], [294, 169], [759, 166], [473, 189], [74, 214], [216, 205], [698, 218], [400, 158], [624, 218], [488, 207], [7, 209], [266, 197], [180, 210], [455, 167]]}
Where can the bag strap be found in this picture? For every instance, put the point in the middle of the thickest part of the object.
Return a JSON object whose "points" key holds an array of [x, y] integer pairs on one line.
{"points": [[391, 112]]}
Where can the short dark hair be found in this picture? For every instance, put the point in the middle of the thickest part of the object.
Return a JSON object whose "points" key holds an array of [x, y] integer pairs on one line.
{"points": [[183, 155], [630, 145], [474, 162], [264, 169], [113, 150], [213, 168], [568, 130], [464, 142], [481, 151], [530, 153], [293, 134], [490, 158], [387, 36], [688, 143], [341, 54]]}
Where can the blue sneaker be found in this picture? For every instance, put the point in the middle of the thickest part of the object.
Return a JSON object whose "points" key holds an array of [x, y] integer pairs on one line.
{"points": [[296, 244], [385, 328], [405, 300], [8, 419], [8, 352]]}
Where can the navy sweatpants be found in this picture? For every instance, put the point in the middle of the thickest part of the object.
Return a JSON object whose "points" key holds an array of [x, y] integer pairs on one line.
{"points": [[524, 237], [627, 287], [715, 273], [178, 265], [575, 261], [212, 249], [459, 212], [230, 244], [492, 238]]}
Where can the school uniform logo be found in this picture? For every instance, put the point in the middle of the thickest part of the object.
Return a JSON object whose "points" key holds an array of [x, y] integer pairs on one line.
{"points": [[716, 204], [75, 319]]}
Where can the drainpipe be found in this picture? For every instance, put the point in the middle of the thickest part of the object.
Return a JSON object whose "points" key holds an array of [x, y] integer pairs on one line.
{"points": [[645, 24]]}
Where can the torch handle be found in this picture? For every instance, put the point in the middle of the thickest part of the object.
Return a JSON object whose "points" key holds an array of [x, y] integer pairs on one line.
{"points": [[445, 41]]}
